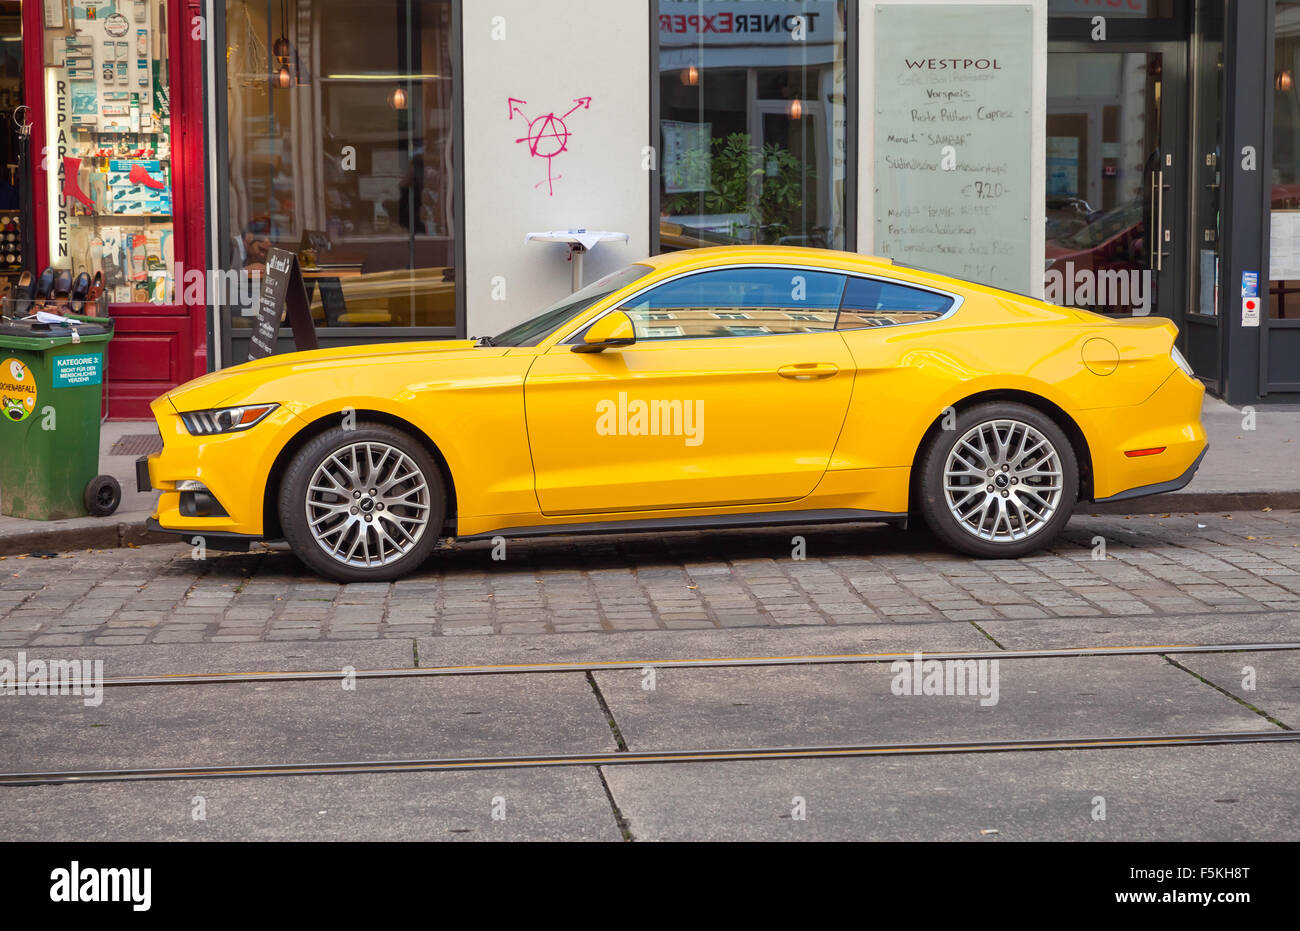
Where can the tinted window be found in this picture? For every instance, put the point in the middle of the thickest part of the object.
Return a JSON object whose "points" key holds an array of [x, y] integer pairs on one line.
{"points": [[738, 302], [869, 302]]}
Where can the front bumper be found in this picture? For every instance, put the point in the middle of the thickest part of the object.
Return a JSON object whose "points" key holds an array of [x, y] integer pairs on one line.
{"points": [[213, 540], [232, 470]]}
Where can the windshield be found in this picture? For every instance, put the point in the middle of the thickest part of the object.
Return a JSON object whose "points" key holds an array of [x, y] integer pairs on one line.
{"points": [[535, 329]]}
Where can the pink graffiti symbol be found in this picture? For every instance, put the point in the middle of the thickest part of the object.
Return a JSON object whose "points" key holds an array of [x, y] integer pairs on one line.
{"points": [[548, 136]]}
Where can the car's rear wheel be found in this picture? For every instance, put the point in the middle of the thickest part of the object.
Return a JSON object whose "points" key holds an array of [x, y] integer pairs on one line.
{"points": [[1003, 482], [362, 505]]}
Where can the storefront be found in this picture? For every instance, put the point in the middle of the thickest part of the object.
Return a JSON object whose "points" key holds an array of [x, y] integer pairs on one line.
{"points": [[336, 140], [1114, 157], [1125, 138], [115, 101]]}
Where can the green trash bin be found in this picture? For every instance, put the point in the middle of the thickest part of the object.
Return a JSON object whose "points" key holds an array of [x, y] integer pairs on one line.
{"points": [[51, 388]]}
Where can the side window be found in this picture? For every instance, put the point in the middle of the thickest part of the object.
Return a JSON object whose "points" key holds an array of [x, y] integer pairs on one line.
{"points": [[738, 302], [869, 303]]}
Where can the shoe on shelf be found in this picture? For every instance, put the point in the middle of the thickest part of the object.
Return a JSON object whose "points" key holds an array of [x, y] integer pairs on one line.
{"points": [[62, 283], [80, 288], [44, 284], [22, 294]]}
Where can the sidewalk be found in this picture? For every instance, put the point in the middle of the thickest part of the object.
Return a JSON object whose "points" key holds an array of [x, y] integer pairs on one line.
{"points": [[124, 526], [1245, 469]]}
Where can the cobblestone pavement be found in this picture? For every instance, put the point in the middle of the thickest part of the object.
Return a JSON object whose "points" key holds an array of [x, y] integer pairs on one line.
{"points": [[1152, 565]]}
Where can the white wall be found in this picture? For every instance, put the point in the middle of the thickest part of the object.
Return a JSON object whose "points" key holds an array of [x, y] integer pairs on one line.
{"points": [[549, 54], [1037, 97]]}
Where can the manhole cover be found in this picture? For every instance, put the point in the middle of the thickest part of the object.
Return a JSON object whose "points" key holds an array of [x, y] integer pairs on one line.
{"points": [[137, 444]]}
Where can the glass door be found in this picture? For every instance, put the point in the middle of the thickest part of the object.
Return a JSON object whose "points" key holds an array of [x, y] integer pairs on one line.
{"points": [[1201, 337], [1115, 224]]}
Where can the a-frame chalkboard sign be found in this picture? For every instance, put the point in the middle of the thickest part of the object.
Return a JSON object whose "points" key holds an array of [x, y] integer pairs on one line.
{"points": [[283, 293]]}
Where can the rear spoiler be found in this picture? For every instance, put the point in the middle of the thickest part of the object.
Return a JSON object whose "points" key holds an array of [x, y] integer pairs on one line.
{"points": [[1146, 336]]}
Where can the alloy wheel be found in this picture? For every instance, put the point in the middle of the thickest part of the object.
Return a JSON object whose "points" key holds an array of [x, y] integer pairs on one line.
{"points": [[1003, 481], [367, 504]]}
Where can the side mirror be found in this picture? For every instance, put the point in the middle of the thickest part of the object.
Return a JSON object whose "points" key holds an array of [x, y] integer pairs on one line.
{"points": [[613, 329]]}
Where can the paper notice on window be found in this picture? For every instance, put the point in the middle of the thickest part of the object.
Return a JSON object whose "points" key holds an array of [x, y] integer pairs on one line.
{"points": [[953, 98], [1284, 245], [687, 162]]}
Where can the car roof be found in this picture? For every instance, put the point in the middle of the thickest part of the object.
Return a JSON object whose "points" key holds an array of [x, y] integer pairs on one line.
{"points": [[687, 259], [670, 263]]}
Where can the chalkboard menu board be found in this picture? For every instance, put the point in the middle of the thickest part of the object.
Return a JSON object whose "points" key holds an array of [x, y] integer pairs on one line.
{"points": [[952, 139], [282, 290]]}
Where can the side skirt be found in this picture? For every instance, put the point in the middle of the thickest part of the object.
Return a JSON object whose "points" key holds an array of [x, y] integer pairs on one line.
{"points": [[710, 522]]}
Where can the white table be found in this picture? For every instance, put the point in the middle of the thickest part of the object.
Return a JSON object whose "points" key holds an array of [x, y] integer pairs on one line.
{"points": [[579, 242]]}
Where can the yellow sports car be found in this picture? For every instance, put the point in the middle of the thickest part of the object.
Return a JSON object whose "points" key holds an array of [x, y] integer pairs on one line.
{"points": [[707, 388]]}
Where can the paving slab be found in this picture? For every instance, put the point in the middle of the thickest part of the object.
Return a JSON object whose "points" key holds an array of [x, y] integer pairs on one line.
{"points": [[1175, 794], [538, 805], [1255, 452], [1168, 630], [812, 706], [703, 644], [1276, 681], [174, 659], [290, 722]]}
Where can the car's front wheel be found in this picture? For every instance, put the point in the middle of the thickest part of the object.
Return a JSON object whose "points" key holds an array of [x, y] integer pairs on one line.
{"points": [[1002, 482], [362, 505]]}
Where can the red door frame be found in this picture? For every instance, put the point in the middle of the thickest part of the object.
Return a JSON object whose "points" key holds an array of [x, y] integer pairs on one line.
{"points": [[168, 343]]}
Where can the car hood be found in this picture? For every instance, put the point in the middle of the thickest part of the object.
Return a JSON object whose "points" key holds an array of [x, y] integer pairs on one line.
{"points": [[233, 384]]}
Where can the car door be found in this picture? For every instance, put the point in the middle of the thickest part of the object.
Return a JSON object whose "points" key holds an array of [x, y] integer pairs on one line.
{"points": [[733, 394], [902, 364]]}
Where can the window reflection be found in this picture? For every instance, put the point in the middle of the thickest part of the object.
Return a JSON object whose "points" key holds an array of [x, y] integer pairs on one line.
{"points": [[1103, 187], [341, 150], [752, 122]]}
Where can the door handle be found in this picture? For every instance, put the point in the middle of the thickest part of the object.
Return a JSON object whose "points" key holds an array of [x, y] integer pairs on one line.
{"points": [[808, 371], [1159, 236]]}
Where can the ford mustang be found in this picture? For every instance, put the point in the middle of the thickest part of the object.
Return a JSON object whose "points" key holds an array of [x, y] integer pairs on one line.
{"points": [[713, 387]]}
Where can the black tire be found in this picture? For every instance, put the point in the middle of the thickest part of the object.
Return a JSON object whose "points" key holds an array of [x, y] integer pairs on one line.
{"points": [[341, 518], [994, 535], [102, 496]]}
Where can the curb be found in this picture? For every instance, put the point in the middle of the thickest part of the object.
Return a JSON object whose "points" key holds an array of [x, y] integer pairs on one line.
{"points": [[111, 535], [108, 535]]}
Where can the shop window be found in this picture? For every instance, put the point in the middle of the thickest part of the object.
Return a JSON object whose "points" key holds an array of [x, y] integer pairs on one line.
{"points": [[1284, 225], [752, 123], [1119, 10], [12, 260], [108, 127], [340, 144]]}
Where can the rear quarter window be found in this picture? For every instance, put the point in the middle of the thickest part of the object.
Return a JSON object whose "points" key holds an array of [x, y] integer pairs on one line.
{"points": [[870, 302]]}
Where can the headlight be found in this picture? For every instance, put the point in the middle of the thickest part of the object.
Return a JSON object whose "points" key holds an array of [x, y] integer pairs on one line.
{"points": [[225, 419], [1181, 362]]}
